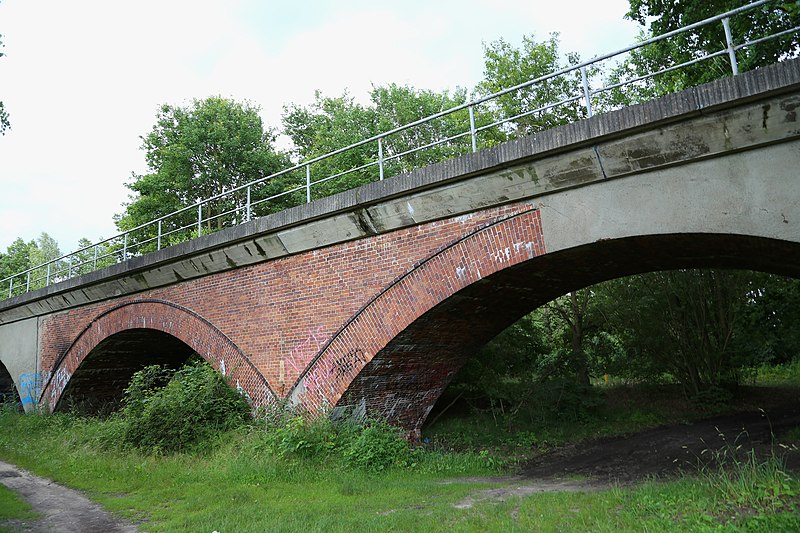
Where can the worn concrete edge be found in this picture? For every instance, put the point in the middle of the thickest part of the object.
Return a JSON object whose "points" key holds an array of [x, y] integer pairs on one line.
{"points": [[705, 99]]}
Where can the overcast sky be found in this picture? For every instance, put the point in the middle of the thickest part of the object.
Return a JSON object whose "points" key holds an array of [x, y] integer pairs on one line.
{"points": [[82, 79]]}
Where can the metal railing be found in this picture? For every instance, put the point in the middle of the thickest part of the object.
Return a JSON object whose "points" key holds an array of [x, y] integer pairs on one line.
{"points": [[247, 202]]}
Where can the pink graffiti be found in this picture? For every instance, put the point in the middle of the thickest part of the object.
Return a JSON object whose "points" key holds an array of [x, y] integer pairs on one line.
{"points": [[303, 352]]}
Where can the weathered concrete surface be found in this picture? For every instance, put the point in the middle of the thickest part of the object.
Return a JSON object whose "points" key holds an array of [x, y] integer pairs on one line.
{"points": [[700, 123], [755, 193], [19, 353]]}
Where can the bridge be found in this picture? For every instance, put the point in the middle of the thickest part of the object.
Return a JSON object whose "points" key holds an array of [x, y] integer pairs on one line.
{"points": [[372, 299]]}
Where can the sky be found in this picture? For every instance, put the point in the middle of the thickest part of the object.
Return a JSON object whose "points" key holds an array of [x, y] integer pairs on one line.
{"points": [[82, 80]]}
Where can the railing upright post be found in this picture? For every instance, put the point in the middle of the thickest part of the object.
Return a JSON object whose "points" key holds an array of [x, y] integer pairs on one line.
{"points": [[28, 282], [308, 184], [125, 247], [380, 158], [472, 127], [158, 245], [199, 219], [585, 80], [249, 213], [726, 23], [10, 286]]}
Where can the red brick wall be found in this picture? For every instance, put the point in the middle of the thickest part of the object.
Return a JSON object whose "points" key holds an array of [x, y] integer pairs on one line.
{"points": [[476, 256], [278, 314]]}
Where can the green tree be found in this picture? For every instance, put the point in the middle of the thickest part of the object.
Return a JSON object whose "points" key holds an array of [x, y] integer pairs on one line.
{"points": [[398, 105], [16, 259], [507, 66], [660, 16], [196, 152], [329, 124], [42, 250], [685, 323]]}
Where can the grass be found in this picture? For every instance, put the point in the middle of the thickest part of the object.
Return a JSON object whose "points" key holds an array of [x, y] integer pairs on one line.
{"points": [[239, 485], [12, 507], [240, 481]]}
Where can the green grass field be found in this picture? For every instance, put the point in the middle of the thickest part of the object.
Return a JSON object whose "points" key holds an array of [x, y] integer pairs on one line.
{"points": [[239, 484]]}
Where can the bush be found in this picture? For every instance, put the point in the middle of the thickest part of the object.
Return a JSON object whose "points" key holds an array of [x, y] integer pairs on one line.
{"points": [[378, 446], [195, 404]]}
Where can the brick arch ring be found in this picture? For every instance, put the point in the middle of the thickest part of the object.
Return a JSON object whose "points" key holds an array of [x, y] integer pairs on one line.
{"points": [[187, 326], [485, 250]]}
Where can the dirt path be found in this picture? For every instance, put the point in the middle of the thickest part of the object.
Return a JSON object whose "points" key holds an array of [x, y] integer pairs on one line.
{"points": [[668, 450], [662, 451], [64, 510]]}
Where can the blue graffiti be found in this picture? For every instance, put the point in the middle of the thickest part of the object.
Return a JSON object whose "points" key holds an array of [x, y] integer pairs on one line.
{"points": [[30, 388]]}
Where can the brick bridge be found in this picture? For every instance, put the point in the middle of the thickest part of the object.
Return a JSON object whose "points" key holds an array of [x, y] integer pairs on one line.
{"points": [[374, 298]]}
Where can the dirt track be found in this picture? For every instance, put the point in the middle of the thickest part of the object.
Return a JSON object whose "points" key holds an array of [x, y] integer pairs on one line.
{"points": [[668, 450]]}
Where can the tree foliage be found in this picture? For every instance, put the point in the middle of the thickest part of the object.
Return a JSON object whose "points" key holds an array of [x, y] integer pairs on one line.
{"points": [[328, 124], [507, 66], [660, 16], [199, 151]]}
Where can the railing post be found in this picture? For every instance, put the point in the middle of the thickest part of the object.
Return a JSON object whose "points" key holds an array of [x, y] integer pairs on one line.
{"points": [[380, 158], [125, 247], [726, 23], [28, 282], [199, 219], [158, 245], [249, 214], [472, 127], [308, 184], [10, 286], [585, 80]]}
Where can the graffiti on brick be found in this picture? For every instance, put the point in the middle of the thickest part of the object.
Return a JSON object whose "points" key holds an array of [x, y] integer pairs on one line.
{"points": [[328, 374], [57, 385], [30, 388], [301, 354]]}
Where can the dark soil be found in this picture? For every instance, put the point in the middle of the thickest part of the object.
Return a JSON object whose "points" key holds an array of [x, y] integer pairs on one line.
{"points": [[672, 449]]}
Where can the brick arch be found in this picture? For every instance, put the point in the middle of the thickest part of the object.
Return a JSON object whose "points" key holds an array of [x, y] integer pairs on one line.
{"points": [[480, 253], [163, 317], [397, 354]]}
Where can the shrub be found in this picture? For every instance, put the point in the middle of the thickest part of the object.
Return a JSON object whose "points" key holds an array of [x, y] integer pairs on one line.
{"points": [[376, 447], [194, 405]]}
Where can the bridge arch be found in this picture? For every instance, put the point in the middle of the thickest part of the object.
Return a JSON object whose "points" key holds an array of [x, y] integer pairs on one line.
{"points": [[8, 390], [395, 357], [102, 358]]}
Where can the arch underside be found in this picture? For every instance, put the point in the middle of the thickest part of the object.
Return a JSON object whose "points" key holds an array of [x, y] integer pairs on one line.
{"points": [[405, 378], [94, 371], [8, 391], [107, 371]]}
